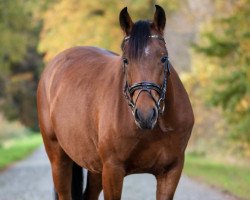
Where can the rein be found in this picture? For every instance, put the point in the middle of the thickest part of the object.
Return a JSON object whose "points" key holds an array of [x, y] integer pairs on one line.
{"points": [[147, 86]]}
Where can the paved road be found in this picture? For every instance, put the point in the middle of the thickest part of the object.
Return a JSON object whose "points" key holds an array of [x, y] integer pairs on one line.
{"points": [[31, 180]]}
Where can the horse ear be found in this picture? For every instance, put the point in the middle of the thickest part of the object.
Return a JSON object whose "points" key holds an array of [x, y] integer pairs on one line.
{"points": [[159, 18], [125, 21]]}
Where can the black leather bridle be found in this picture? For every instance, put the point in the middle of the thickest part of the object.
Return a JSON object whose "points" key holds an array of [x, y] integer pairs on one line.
{"points": [[147, 86]]}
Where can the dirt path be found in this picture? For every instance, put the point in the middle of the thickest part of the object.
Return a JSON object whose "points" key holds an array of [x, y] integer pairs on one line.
{"points": [[31, 179]]}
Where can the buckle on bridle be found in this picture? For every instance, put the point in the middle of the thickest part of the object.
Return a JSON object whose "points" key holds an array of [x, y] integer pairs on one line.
{"points": [[161, 105]]}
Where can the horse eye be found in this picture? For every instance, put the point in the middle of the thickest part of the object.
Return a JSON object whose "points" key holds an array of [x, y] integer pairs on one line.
{"points": [[164, 59], [125, 61]]}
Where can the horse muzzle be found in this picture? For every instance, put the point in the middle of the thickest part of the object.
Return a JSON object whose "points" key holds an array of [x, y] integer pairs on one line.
{"points": [[146, 120]]}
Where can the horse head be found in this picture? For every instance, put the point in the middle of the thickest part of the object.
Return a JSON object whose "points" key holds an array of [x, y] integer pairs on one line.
{"points": [[145, 66]]}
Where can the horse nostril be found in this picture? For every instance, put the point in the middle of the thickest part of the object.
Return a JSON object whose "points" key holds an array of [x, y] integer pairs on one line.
{"points": [[137, 115], [153, 114]]}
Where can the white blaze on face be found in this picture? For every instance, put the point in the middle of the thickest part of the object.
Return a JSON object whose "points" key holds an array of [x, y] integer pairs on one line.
{"points": [[147, 51]]}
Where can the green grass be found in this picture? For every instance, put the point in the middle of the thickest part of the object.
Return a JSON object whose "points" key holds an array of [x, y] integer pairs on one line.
{"points": [[231, 178], [18, 148]]}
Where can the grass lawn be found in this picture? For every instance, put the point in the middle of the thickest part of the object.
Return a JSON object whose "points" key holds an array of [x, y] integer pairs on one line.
{"points": [[231, 178], [18, 148]]}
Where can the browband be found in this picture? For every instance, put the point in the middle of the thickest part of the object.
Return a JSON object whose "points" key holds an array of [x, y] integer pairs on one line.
{"points": [[151, 36]]}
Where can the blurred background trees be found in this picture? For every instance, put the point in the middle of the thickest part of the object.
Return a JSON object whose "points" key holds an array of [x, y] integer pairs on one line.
{"points": [[227, 44], [19, 60], [208, 42], [221, 73]]}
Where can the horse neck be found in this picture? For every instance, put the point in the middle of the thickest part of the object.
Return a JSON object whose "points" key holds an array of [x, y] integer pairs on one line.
{"points": [[178, 110], [172, 100]]}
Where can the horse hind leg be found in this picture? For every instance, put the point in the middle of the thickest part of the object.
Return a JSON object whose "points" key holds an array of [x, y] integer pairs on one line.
{"points": [[67, 177], [94, 186], [61, 166]]}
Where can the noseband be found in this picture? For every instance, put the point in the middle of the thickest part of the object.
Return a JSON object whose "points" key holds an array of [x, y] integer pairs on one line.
{"points": [[148, 86]]}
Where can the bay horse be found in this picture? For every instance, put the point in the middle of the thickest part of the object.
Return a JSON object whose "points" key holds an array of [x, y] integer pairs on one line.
{"points": [[115, 115]]}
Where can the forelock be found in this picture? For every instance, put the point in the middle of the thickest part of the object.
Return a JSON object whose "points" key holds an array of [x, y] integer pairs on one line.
{"points": [[138, 39]]}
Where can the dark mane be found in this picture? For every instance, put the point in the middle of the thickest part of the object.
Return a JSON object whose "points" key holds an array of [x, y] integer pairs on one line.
{"points": [[138, 39]]}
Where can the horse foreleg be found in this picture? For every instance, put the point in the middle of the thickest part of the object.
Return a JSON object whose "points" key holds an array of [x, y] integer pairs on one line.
{"points": [[112, 180], [94, 186], [167, 182]]}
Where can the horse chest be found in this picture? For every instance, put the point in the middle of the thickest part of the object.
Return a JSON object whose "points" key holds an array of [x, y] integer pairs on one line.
{"points": [[151, 157]]}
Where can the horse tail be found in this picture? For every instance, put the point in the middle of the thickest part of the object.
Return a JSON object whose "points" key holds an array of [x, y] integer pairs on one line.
{"points": [[77, 182]]}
